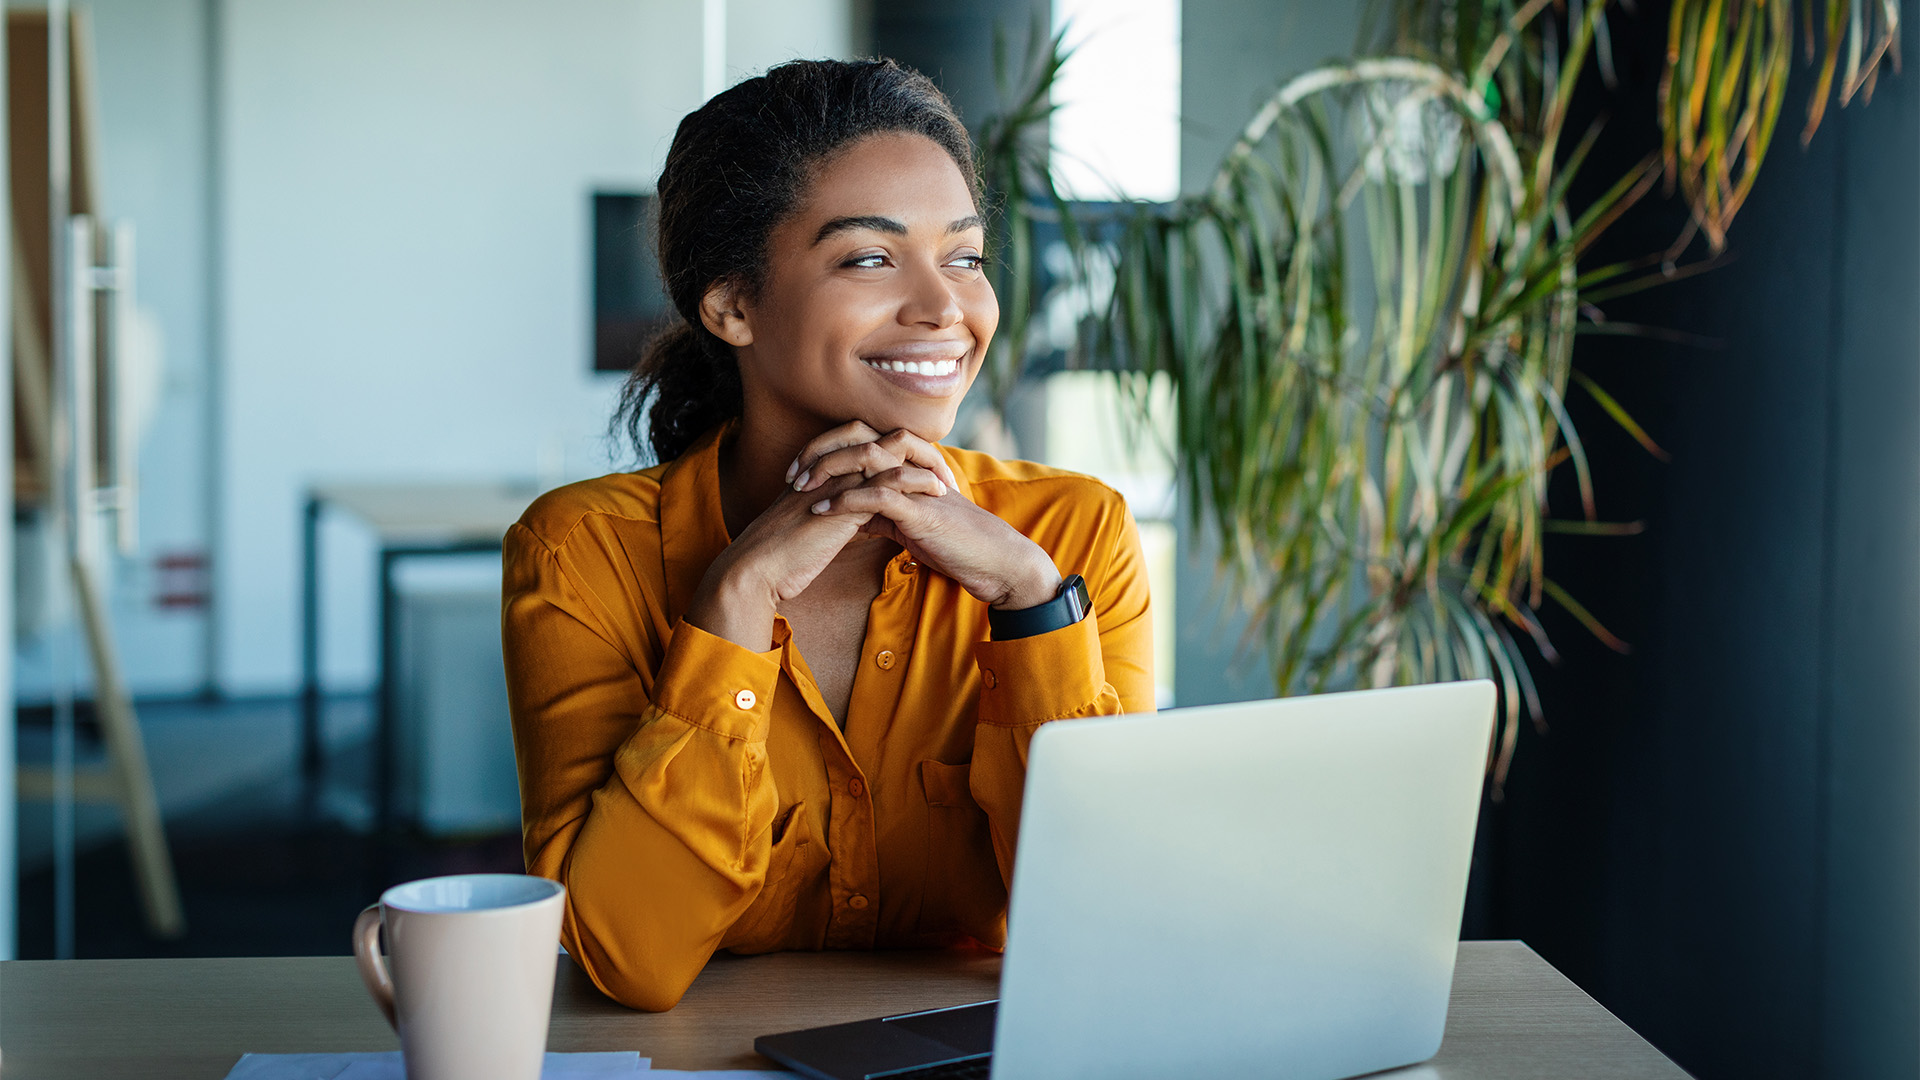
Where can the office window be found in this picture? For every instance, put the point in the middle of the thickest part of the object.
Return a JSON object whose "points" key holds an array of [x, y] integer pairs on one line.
{"points": [[1117, 128], [1092, 427], [1115, 135]]}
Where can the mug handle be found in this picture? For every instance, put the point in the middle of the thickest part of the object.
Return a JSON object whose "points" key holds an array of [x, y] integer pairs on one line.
{"points": [[373, 968]]}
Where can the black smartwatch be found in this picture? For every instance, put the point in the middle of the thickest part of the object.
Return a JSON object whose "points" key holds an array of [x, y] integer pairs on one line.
{"points": [[1067, 607]]}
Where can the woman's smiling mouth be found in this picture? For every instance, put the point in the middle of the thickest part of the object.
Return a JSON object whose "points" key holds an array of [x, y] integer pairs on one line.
{"points": [[927, 368]]}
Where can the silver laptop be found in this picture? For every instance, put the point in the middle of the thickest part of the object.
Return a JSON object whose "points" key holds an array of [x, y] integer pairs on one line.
{"points": [[1265, 889]]}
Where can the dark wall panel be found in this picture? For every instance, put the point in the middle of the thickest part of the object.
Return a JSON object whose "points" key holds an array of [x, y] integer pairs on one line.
{"points": [[951, 41], [1751, 773], [1871, 1018]]}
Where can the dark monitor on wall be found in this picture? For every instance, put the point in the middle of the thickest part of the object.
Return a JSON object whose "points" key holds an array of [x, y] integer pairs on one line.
{"points": [[629, 303]]}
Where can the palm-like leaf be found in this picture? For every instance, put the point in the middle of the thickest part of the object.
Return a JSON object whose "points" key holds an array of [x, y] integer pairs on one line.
{"points": [[1726, 74]]}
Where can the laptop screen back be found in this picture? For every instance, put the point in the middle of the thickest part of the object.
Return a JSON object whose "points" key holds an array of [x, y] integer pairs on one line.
{"points": [[1273, 888]]}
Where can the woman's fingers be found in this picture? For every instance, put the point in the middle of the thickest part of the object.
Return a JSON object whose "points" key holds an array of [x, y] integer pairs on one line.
{"points": [[843, 451], [852, 433], [867, 500], [864, 460], [889, 493], [914, 450]]}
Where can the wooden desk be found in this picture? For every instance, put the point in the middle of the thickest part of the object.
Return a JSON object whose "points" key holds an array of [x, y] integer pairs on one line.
{"points": [[1512, 1017]]}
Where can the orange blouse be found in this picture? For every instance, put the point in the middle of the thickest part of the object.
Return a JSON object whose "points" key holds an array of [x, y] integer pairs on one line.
{"points": [[694, 795]]}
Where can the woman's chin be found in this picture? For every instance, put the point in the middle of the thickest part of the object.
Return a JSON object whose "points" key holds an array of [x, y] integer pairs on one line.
{"points": [[930, 423]]}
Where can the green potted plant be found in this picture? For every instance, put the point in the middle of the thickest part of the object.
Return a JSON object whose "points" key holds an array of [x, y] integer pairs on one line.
{"points": [[1369, 316]]}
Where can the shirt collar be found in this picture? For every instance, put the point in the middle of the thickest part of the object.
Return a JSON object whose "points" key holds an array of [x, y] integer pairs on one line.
{"points": [[693, 529]]}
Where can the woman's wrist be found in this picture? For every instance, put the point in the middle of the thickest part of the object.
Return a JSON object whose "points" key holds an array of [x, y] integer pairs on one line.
{"points": [[735, 604], [1035, 583]]}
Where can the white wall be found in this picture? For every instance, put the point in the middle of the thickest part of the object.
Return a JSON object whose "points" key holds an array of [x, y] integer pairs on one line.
{"points": [[406, 258], [761, 33]]}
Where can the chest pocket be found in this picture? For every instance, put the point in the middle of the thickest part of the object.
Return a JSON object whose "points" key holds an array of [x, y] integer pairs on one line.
{"points": [[963, 893]]}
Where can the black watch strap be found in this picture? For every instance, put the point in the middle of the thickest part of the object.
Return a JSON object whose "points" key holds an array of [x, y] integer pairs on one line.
{"points": [[1067, 607]]}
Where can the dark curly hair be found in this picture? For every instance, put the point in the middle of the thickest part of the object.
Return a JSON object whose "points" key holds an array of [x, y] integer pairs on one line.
{"points": [[739, 165]]}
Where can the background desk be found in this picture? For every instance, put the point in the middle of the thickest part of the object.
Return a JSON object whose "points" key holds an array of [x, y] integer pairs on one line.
{"points": [[408, 521], [1512, 1016]]}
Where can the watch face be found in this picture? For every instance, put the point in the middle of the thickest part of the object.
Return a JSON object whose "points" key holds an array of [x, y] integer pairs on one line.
{"points": [[1076, 589]]}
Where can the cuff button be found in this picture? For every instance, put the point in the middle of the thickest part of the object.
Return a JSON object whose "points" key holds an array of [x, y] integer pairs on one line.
{"points": [[745, 699], [987, 676]]}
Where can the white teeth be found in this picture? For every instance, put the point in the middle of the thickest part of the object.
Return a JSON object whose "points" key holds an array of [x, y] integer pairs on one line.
{"points": [[917, 367]]}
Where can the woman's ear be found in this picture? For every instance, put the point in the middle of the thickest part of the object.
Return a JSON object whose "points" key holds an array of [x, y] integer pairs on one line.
{"points": [[721, 312]]}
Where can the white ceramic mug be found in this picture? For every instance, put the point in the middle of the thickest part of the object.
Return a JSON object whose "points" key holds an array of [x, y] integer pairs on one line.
{"points": [[471, 985]]}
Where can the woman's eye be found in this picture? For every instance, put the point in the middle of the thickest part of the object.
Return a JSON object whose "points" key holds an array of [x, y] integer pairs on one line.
{"points": [[867, 262], [970, 262]]}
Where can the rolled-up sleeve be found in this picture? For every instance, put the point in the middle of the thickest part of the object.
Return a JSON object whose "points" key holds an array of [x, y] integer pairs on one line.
{"points": [[644, 780]]}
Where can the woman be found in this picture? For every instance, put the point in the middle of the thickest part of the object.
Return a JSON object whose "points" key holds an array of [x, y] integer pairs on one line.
{"points": [[776, 693]]}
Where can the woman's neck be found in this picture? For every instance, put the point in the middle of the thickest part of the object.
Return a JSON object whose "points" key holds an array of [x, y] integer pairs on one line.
{"points": [[753, 472]]}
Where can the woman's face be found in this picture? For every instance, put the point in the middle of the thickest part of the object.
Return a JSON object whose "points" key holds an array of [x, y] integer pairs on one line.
{"points": [[875, 305]]}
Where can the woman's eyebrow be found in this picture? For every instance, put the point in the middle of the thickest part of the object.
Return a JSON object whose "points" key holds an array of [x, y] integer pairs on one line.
{"points": [[863, 221], [887, 225]]}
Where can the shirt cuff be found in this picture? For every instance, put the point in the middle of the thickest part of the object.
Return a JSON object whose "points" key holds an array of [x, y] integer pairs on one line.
{"points": [[1043, 677], [717, 685]]}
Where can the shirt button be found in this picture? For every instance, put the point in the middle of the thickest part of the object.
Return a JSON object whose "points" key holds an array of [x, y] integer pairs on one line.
{"points": [[909, 567], [856, 786], [884, 659], [987, 676], [857, 902], [745, 699]]}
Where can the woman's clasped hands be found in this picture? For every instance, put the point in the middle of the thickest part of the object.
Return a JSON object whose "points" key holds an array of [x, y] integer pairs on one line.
{"points": [[854, 481]]}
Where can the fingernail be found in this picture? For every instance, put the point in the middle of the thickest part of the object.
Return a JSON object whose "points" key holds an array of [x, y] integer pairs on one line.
{"points": [[800, 482], [938, 487], [793, 468], [821, 506]]}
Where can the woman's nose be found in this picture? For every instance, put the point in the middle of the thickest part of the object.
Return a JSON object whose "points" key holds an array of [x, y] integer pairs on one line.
{"points": [[930, 301]]}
